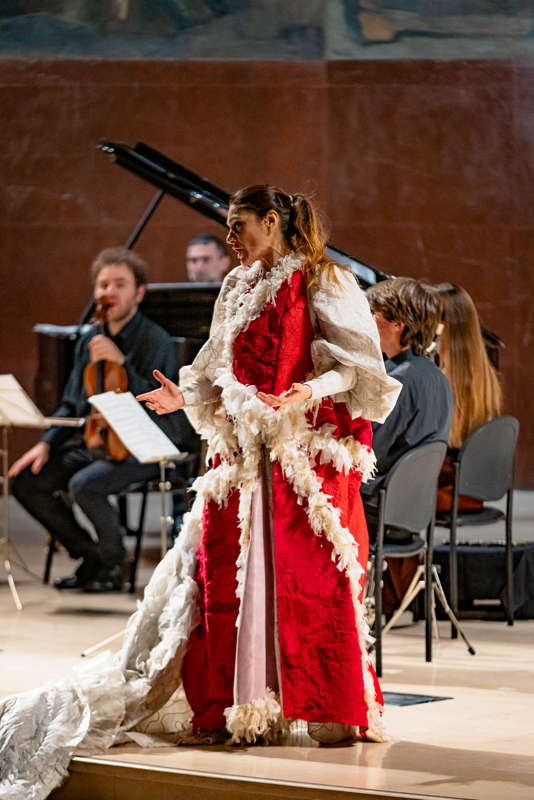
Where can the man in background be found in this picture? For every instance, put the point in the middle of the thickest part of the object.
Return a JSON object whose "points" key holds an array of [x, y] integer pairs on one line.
{"points": [[407, 314], [207, 260], [61, 467]]}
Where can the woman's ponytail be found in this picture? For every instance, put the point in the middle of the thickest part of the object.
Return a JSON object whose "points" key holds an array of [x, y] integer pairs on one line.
{"points": [[308, 236]]}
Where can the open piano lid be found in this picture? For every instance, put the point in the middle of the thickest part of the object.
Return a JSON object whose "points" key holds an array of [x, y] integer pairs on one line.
{"points": [[211, 201], [206, 198]]}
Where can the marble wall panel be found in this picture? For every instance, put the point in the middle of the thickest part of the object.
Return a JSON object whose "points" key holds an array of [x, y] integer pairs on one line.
{"points": [[423, 168], [425, 149]]}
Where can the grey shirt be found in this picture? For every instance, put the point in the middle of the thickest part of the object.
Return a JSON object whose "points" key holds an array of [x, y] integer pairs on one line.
{"points": [[423, 412]]}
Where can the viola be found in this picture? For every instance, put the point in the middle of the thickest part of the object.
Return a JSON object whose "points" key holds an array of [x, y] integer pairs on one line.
{"points": [[98, 377]]}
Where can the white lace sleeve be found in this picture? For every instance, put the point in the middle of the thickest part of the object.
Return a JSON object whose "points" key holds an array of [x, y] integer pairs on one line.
{"points": [[196, 379], [346, 335], [336, 380]]}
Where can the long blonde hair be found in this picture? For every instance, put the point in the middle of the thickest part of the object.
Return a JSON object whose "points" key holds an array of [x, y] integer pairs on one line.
{"points": [[300, 224], [477, 394]]}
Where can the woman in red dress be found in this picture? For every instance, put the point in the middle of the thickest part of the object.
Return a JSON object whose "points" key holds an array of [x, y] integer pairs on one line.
{"points": [[284, 392]]}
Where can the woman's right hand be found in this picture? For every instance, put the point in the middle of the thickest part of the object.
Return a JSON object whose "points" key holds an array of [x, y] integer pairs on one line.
{"points": [[166, 399]]}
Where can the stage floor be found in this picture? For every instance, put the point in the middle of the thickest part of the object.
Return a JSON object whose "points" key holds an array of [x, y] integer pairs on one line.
{"points": [[478, 743]]}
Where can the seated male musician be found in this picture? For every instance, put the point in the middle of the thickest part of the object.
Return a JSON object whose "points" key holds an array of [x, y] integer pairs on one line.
{"points": [[59, 464], [407, 313]]}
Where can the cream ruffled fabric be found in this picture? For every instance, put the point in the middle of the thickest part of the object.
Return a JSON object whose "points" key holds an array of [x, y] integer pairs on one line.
{"points": [[346, 336], [103, 698]]}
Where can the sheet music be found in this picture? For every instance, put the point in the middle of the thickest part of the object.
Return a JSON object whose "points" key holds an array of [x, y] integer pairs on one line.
{"points": [[138, 432], [17, 409]]}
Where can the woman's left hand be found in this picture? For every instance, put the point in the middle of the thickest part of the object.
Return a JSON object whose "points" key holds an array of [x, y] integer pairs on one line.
{"points": [[297, 393]]}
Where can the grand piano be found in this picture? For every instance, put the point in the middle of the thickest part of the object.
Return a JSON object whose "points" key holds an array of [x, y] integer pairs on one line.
{"points": [[183, 309]]}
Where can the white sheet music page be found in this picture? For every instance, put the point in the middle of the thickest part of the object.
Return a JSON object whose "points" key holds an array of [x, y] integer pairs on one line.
{"points": [[16, 408], [138, 432]]}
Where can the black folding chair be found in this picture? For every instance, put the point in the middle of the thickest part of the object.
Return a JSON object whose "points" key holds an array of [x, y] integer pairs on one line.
{"points": [[407, 500], [484, 469]]}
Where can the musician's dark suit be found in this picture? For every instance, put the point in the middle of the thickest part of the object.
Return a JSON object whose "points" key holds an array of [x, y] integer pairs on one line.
{"points": [[72, 473]]}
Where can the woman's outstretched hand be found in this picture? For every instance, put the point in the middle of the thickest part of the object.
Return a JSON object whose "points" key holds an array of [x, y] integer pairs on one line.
{"points": [[166, 399], [297, 393]]}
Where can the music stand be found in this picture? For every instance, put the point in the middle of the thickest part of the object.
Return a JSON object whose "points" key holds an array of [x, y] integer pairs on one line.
{"points": [[149, 445], [17, 411]]}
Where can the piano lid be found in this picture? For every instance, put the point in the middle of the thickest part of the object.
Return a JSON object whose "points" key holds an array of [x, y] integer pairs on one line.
{"points": [[212, 201], [206, 198]]}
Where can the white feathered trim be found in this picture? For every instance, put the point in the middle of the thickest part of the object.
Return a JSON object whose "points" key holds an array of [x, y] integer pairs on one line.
{"points": [[345, 454], [296, 445], [249, 720], [324, 519]]}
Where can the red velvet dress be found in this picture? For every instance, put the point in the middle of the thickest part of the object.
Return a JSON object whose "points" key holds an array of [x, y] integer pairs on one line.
{"points": [[324, 672]]}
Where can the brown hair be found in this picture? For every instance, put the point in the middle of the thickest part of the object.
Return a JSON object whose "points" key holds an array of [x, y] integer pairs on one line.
{"points": [[411, 302], [300, 223], [121, 255], [209, 238], [475, 386]]}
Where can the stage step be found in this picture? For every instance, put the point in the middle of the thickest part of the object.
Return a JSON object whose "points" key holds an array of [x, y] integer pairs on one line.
{"points": [[100, 779]]}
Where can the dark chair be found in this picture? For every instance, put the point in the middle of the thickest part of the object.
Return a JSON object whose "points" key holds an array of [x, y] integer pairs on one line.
{"points": [[407, 500], [484, 469], [178, 481]]}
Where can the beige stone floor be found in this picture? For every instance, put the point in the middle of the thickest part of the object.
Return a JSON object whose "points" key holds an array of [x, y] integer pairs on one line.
{"points": [[479, 744]]}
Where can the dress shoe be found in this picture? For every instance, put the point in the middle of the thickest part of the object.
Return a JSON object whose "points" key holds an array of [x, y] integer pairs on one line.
{"points": [[87, 570], [107, 579]]}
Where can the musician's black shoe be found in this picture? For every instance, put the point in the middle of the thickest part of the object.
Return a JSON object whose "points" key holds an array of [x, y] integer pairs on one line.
{"points": [[86, 572], [107, 579]]}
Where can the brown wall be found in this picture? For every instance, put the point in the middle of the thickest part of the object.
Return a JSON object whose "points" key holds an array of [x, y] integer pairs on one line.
{"points": [[423, 168]]}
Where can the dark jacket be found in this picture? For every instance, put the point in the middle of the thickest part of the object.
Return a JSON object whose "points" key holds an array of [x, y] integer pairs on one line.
{"points": [[423, 412], [146, 347]]}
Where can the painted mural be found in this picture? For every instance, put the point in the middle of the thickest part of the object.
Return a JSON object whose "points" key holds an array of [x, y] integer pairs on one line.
{"points": [[267, 29]]}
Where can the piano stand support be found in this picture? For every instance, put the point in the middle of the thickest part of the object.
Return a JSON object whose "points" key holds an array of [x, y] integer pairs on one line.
{"points": [[138, 230]]}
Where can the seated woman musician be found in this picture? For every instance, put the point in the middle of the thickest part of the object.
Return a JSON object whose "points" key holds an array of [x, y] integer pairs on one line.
{"points": [[477, 395]]}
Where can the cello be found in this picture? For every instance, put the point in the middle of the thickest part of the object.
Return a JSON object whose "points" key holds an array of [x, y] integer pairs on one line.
{"points": [[103, 376]]}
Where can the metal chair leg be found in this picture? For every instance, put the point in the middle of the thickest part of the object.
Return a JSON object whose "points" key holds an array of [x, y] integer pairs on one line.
{"points": [[49, 557], [509, 560], [453, 554], [429, 595], [138, 538]]}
